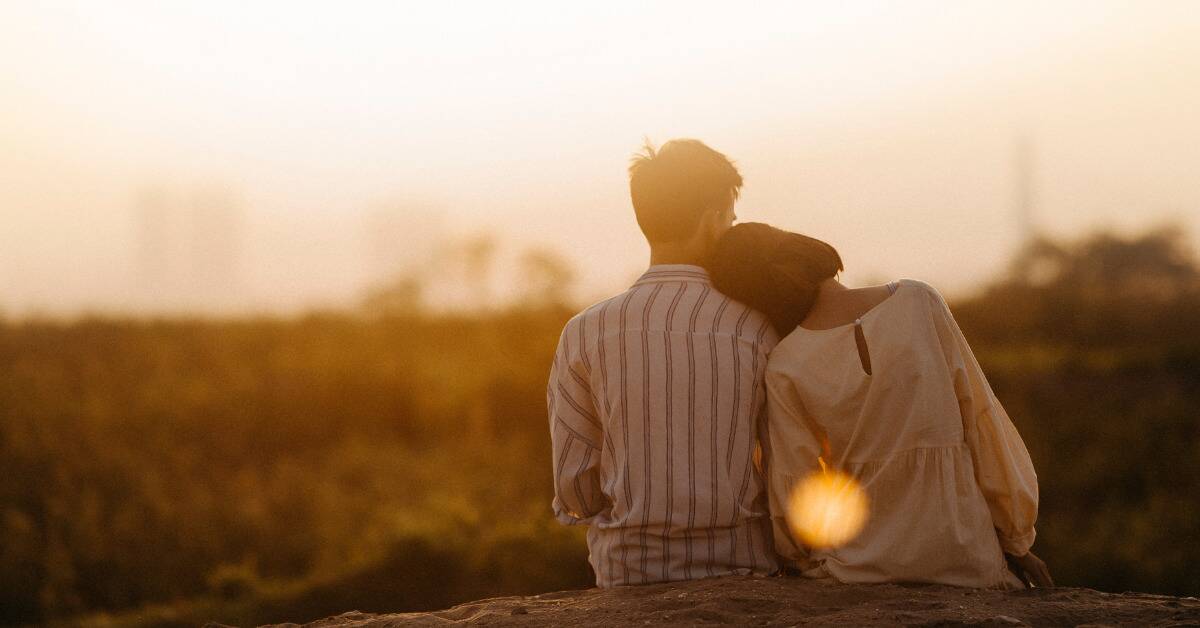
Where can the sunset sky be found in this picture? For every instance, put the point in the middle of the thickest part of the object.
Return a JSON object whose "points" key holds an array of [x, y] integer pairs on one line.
{"points": [[888, 129]]}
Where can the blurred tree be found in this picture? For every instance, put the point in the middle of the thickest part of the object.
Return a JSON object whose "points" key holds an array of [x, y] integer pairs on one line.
{"points": [[1104, 290], [1091, 345], [479, 255], [547, 278], [403, 295]]}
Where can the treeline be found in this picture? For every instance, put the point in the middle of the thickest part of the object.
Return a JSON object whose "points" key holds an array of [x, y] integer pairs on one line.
{"points": [[1092, 347], [251, 471], [295, 468]]}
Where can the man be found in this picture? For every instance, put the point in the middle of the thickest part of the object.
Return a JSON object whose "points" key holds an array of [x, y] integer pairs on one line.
{"points": [[656, 396]]}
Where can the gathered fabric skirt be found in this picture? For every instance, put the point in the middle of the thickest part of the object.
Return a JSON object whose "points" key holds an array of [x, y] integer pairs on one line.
{"points": [[927, 522]]}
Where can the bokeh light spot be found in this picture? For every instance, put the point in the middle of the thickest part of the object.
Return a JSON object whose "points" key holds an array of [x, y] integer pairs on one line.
{"points": [[827, 509]]}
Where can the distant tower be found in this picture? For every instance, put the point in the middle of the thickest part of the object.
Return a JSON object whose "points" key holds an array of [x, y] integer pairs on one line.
{"points": [[1025, 199]]}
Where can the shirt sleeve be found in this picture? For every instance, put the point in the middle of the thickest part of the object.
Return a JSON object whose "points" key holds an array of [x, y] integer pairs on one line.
{"points": [[794, 447], [1003, 467], [575, 436]]}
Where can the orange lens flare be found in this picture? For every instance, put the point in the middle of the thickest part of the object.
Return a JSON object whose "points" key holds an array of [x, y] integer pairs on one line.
{"points": [[827, 509]]}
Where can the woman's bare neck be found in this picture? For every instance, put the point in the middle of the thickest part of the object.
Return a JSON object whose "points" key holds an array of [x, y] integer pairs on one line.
{"points": [[836, 304]]}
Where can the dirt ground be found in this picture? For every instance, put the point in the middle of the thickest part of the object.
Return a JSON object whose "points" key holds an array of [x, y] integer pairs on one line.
{"points": [[791, 601]]}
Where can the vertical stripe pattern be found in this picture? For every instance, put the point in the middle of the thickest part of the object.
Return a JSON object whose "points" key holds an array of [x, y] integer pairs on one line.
{"points": [[656, 406]]}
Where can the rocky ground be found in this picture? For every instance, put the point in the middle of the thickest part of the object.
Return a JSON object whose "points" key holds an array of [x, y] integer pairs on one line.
{"points": [[790, 601]]}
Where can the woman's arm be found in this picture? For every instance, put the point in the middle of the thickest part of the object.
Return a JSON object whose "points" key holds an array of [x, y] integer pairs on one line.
{"points": [[1003, 467]]}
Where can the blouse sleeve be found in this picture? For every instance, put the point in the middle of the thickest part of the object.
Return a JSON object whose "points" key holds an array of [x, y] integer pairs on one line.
{"points": [[794, 451], [1003, 467]]}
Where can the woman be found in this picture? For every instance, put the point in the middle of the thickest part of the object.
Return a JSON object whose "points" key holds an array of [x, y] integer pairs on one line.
{"points": [[880, 384]]}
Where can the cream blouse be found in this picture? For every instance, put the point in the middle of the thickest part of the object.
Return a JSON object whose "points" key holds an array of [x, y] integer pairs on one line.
{"points": [[948, 480]]}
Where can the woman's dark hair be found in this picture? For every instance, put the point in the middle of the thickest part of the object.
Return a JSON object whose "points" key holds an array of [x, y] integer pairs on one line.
{"points": [[773, 271]]}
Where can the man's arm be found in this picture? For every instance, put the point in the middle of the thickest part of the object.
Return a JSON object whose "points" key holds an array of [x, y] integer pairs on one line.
{"points": [[576, 435]]}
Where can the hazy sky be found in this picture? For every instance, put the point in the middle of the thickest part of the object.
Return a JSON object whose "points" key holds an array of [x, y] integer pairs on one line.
{"points": [[887, 129]]}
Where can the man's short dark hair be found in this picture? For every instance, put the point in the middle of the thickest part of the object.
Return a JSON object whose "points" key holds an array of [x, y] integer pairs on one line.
{"points": [[673, 186]]}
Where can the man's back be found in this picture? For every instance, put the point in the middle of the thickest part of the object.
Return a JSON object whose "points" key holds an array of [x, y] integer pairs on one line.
{"points": [[656, 401]]}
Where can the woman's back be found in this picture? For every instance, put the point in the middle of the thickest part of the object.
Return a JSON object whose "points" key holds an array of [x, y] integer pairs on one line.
{"points": [[901, 404]]}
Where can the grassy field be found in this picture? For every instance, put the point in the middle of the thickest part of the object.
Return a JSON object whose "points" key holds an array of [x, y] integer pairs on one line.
{"points": [[160, 472]]}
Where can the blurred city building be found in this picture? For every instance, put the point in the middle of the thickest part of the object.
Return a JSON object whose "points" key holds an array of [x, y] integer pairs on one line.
{"points": [[189, 249]]}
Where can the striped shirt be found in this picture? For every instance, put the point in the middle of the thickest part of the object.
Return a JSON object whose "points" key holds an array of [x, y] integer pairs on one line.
{"points": [[657, 407]]}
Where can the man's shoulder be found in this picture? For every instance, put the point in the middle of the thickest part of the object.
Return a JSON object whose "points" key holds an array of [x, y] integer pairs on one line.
{"points": [[713, 311], [739, 318], [589, 315], [753, 318]]}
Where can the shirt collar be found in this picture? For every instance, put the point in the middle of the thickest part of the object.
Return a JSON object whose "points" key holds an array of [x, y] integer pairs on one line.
{"points": [[659, 273]]}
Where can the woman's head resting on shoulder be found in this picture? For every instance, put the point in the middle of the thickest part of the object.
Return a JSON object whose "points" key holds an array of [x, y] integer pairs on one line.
{"points": [[774, 271]]}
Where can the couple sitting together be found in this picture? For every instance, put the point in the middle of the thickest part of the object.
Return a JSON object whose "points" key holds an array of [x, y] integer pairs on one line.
{"points": [[684, 411]]}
